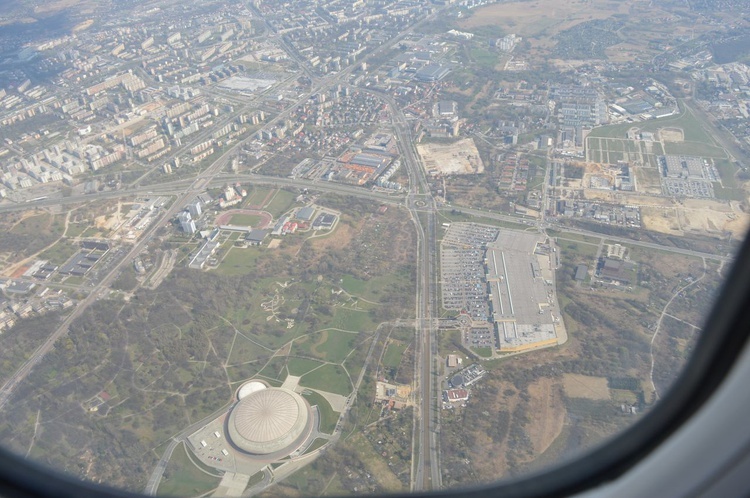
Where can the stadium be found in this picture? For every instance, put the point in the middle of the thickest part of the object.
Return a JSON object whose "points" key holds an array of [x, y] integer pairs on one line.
{"points": [[268, 421]]}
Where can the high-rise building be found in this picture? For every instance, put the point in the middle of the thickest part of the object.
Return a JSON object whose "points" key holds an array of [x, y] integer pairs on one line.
{"points": [[186, 222]]}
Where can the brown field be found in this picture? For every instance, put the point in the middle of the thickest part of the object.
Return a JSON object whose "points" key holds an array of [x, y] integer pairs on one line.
{"points": [[585, 386], [458, 158], [661, 220], [543, 18], [341, 237], [671, 134], [80, 6], [549, 413], [698, 216]]}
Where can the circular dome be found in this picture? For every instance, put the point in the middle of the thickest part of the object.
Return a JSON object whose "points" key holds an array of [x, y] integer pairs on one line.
{"points": [[250, 387], [268, 420]]}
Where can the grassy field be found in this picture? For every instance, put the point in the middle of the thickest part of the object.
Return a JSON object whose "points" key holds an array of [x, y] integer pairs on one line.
{"points": [[578, 251], [245, 219], [483, 352], [239, 261], [484, 57], [329, 378], [300, 366], [60, 252], [76, 229], [392, 356], [183, 478], [275, 369], [319, 442], [692, 129], [356, 321], [700, 149], [257, 196], [328, 417], [328, 345], [280, 203], [368, 289], [573, 236], [727, 172]]}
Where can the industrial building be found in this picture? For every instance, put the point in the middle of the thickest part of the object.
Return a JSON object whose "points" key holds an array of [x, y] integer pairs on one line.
{"points": [[324, 221], [519, 279], [306, 213], [256, 237], [431, 73]]}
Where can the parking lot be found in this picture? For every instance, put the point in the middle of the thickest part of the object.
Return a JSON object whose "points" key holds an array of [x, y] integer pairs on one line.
{"points": [[687, 188], [462, 271]]}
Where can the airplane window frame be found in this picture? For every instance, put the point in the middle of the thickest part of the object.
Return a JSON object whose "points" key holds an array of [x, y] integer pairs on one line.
{"points": [[719, 346]]}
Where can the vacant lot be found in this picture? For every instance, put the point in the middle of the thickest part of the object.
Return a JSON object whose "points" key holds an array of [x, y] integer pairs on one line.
{"points": [[459, 158], [541, 17], [585, 386]]}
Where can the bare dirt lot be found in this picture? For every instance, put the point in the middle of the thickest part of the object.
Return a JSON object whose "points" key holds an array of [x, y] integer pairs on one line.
{"points": [[549, 413], [542, 16], [698, 216], [671, 134], [459, 158], [585, 386]]}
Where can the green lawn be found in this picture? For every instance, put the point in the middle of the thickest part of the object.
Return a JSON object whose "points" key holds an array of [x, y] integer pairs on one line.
{"points": [[694, 149], [76, 229], [573, 236], [328, 417], [280, 203], [91, 232], [239, 261], [275, 369], [356, 321], [727, 171], [245, 219], [60, 252], [319, 442], [328, 345], [483, 352], [329, 378], [691, 127], [576, 251], [300, 366], [244, 350], [183, 478], [729, 194], [32, 225], [484, 57], [394, 353], [257, 195], [368, 289]]}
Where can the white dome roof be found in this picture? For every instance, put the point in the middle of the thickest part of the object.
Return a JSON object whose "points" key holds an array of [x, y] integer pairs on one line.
{"points": [[268, 420], [250, 387]]}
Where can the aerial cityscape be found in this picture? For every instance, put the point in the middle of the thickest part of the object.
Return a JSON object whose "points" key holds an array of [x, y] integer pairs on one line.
{"points": [[293, 247]]}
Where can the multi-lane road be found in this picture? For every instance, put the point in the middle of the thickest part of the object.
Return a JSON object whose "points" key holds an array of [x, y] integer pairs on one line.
{"points": [[426, 451]]}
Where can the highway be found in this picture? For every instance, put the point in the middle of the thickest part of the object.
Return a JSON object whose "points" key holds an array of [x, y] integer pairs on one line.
{"points": [[422, 207]]}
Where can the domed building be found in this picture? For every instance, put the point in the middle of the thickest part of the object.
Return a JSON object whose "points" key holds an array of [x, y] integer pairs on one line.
{"points": [[250, 387], [269, 420]]}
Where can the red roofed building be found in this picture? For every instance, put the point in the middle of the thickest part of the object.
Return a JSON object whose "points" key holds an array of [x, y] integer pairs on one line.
{"points": [[453, 395]]}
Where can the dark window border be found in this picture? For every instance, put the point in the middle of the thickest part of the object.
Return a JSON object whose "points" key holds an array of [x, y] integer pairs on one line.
{"points": [[722, 340]]}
